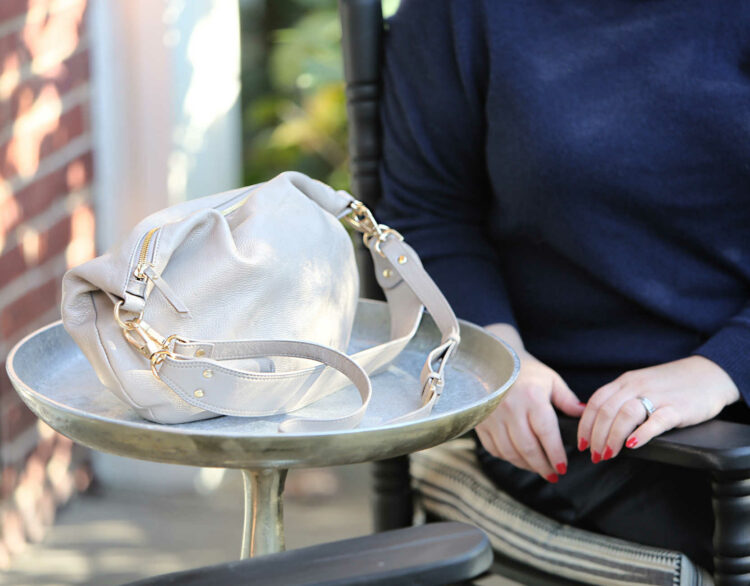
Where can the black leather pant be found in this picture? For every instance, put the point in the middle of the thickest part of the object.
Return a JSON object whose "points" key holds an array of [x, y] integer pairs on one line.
{"points": [[645, 502]]}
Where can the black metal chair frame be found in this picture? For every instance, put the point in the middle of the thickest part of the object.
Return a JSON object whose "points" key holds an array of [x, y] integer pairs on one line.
{"points": [[719, 447]]}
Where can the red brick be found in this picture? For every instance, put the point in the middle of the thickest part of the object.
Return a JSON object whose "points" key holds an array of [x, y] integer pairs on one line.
{"points": [[45, 448], [16, 419], [82, 476], [12, 54], [12, 8], [64, 77], [12, 265], [61, 30], [6, 388], [36, 197], [52, 242], [24, 152], [14, 537], [21, 312], [8, 481]]}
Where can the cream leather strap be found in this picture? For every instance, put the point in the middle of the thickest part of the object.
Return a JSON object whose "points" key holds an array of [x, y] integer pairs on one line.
{"points": [[206, 383]]}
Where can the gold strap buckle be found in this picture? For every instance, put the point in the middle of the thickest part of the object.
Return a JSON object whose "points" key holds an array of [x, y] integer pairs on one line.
{"points": [[362, 220], [146, 339]]}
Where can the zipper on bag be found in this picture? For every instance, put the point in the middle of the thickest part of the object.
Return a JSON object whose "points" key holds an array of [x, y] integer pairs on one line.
{"points": [[146, 271]]}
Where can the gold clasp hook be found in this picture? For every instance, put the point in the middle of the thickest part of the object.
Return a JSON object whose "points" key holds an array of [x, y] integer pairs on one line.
{"points": [[362, 220], [146, 339]]}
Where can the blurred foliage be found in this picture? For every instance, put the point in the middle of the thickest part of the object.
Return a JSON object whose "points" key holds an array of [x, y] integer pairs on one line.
{"points": [[294, 109]]}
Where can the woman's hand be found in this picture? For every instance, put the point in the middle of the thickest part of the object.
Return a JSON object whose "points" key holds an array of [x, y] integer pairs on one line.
{"points": [[524, 429], [684, 392]]}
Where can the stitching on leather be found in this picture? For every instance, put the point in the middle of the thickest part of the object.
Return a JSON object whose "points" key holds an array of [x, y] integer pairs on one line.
{"points": [[271, 376], [188, 398], [287, 354], [267, 354]]}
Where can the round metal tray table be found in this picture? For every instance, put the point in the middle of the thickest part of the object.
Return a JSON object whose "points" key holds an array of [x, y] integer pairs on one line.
{"points": [[57, 383]]}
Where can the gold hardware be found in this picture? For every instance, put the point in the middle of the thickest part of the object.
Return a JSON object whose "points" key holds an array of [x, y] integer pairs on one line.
{"points": [[387, 273], [362, 220], [157, 358], [200, 352], [402, 260], [146, 339], [385, 231], [126, 324], [208, 373], [198, 393], [138, 273]]}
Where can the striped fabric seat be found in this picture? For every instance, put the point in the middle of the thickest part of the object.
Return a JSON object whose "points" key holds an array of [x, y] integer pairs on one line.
{"points": [[451, 486]]}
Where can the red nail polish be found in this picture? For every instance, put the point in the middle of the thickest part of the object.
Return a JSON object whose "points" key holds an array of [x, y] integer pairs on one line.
{"points": [[582, 444], [596, 457], [553, 478], [581, 403], [631, 443], [562, 468], [607, 453]]}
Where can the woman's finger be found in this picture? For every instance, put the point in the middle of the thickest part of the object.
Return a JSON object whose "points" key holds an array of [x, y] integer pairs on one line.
{"points": [[606, 416], [565, 399], [486, 440], [545, 426], [494, 438], [529, 448], [632, 413], [663, 419], [586, 425], [508, 450]]}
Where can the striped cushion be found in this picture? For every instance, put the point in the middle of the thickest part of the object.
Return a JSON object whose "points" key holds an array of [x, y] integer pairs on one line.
{"points": [[451, 486]]}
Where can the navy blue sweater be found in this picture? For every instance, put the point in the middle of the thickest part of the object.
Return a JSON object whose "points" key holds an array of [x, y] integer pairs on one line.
{"points": [[580, 169]]}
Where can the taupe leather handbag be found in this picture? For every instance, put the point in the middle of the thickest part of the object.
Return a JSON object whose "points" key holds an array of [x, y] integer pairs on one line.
{"points": [[218, 305]]}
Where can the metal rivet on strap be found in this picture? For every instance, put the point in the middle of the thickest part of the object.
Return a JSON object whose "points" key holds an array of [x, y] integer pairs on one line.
{"points": [[387, 273], [402, 260], [208, 373], [200, 352], [198, 393]]}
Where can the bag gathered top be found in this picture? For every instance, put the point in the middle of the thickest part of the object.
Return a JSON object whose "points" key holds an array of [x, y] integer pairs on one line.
{"points": [[243, 303]]}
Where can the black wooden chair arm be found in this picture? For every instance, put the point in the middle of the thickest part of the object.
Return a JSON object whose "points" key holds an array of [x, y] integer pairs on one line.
{"points": [[716, 446], [438, 553]]}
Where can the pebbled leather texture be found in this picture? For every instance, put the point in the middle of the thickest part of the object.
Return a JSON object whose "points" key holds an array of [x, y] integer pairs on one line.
{"points": [[257, 282]]}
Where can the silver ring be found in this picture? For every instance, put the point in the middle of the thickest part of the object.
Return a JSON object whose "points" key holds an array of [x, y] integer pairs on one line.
{"points": [[648, 405]]}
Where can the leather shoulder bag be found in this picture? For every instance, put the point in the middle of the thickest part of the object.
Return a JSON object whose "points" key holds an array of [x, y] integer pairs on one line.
{"points": [[243, 303]]}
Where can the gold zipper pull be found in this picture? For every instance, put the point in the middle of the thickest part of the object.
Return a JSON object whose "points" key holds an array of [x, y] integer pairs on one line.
{"points": [[164, 288], [140, 270]]}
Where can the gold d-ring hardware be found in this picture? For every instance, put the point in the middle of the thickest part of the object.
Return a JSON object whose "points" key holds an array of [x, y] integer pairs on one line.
{"points": [[146, 339], [362, 220]]}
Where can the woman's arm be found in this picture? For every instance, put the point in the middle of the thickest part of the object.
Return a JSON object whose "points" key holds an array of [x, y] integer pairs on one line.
{"points": [[437, 193]]}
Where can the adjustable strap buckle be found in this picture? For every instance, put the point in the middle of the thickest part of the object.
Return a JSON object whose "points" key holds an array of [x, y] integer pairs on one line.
{"points": [[435, 380]]}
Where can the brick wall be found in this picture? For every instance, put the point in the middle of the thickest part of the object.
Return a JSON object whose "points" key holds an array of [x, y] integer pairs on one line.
{"points": [[46, 226]]}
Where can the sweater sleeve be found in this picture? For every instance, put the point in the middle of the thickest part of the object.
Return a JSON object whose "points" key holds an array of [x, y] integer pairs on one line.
{"points": [[433, 172], [729, 347]]}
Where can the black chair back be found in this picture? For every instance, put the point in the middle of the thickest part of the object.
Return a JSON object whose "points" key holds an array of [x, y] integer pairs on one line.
{"points": [[362, 42]]}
